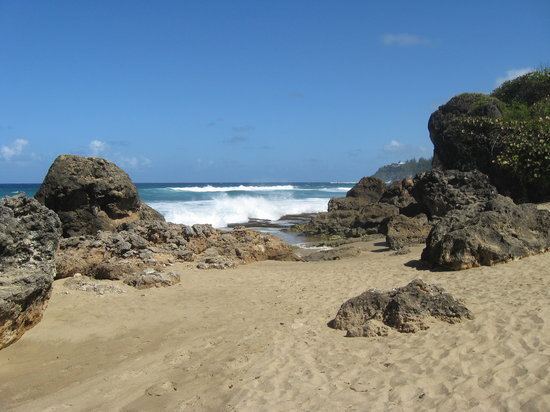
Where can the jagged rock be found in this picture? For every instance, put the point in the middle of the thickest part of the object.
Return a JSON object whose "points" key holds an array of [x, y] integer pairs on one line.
{"points": [[405, 231], [440, 191], [151, 278], [91, 194], [216, 262], [501, 231], [406, 309], [29, 234], [151, 245], [347, 203], [369, 219], [370, 188], [399, 193]]}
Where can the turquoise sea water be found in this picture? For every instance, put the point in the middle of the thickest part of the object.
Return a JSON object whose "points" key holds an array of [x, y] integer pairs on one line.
{"points": [[222, 203]]}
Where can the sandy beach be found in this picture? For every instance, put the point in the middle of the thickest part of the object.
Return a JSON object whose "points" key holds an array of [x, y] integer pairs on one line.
{"points": [[255, 338]]}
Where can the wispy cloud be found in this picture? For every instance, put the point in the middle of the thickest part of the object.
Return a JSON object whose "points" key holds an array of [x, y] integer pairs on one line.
{"points": [[243, 129], [236, 139], [512, 74], [13, 150], [394, 146], [404, 40], [97, 147], [134, 162]]}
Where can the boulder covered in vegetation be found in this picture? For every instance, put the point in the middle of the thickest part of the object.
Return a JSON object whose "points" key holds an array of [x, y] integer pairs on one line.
{"points": [[90, 194], [29, 235], [499, 232], [505, 135], [406, 309]]}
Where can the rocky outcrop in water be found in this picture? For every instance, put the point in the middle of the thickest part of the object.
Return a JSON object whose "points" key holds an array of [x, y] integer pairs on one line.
{"points": [[368, 218], [499, 232], [90, 194], [406, 309], [29, 235]]}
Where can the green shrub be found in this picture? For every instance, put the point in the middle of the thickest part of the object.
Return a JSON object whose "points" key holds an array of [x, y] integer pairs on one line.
{"points": [[526, 89]]}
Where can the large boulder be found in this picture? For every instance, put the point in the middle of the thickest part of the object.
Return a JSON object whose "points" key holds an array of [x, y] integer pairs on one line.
{"points": [[91, 194], [406, 309], [504, 135], [369, 188], [440, 191], [404, 231], [29, 235], [501, 231]]}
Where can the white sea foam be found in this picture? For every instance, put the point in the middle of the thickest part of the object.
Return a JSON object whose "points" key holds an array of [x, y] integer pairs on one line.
{"points": [[240, 188], [224, 209], [333, 189], [243, 188]]}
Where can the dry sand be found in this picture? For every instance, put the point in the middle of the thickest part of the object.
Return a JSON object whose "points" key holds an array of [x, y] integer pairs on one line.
{"points": [[255, 338]]}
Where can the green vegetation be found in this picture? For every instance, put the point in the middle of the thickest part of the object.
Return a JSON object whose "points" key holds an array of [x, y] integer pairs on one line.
{"points": [[507, 133], [402, 170], [527, 89]]}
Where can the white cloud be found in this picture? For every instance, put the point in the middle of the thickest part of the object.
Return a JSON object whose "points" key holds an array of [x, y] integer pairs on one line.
{"points": [[404, 39], [394, 146], [98, 147], [7, 152], [134, 162], [512, 74]]}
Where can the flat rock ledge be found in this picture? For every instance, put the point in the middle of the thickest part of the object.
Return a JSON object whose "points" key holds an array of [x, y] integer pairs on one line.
{"points": [[407, 309]]}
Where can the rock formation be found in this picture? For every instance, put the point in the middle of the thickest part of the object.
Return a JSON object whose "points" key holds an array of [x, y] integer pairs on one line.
{"points": [[141, 246], [368, 188], [499, 232], [90, 194], [504, 135], [439, 192], [404, 231], [29, 235], [368, 218], [405, 309]]}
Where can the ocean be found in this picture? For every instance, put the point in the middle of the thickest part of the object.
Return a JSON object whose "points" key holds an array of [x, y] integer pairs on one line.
{"points": [[220, 204]]}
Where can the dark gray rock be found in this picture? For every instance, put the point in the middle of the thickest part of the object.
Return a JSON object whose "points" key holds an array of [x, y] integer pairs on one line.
{"points": [[369, 219], [405, 309], [91, 194], [29, 235], [500, 232], [405, 231], [370, 188], [440, 191]]}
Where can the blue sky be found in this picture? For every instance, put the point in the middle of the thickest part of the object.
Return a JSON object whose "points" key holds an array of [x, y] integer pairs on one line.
{"points": [[257, 90]]}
